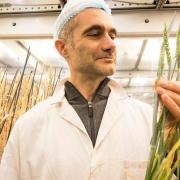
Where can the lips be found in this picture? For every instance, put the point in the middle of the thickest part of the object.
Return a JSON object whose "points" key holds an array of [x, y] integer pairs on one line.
{"points": [[106, 57]]}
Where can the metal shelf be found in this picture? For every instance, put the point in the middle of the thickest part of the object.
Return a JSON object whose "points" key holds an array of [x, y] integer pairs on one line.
{"points": [[17, 9]]}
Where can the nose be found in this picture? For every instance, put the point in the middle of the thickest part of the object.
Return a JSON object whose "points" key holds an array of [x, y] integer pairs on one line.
{"points": [[108, 44]]}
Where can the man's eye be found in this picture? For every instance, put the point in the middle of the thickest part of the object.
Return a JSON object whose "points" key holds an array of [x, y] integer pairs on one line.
{"points": [[94, 33], [113, 36]]}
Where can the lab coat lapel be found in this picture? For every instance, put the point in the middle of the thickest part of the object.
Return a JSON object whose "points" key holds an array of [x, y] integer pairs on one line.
{"points": [[112, 114], [66, 111], [69, 114]]}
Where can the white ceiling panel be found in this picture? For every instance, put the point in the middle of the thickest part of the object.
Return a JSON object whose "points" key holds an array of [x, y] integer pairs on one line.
{"points": [[8, 57], [127, 52], [150, 58], [14, 55], [46, 52]]}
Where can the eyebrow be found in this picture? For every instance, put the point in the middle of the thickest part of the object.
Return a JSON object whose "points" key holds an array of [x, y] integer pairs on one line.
{"points": [[97, 26]]}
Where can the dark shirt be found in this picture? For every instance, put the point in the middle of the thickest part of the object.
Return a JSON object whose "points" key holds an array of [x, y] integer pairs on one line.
{"points": [[90, 113]]}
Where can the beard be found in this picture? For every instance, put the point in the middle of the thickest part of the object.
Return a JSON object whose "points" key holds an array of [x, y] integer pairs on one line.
{"points": [[97, 68]]}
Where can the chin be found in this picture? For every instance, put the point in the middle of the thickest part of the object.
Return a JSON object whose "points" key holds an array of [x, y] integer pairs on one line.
{"points": [[111, 69], [108, 71]]}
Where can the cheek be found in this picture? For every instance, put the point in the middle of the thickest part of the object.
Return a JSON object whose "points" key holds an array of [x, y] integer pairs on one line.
{"points": [[85, 53], [86, 50]]}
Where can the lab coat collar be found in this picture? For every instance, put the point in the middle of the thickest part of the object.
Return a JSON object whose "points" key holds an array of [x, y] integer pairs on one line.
{"points": [[117, 91]]}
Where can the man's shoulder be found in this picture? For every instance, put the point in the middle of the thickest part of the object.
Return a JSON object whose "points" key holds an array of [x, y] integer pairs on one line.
{"points": [[140, 109], [120, 93], [36, 114], [139, 106], [139, 103]]}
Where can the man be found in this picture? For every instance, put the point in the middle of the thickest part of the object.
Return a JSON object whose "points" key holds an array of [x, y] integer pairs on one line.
{"points": [[90, 128]]}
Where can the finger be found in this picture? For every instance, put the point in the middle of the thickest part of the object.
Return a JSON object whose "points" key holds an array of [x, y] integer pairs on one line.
{"points": [[170, 85], [174, 96], [171, 105], [170, 121]]}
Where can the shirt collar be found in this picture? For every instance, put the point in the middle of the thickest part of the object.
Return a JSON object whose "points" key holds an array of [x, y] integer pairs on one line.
{"points": [[117, 91], [72, 92]]}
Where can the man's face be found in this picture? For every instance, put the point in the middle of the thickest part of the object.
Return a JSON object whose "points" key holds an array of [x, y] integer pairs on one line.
{"points": [[93, 51]]}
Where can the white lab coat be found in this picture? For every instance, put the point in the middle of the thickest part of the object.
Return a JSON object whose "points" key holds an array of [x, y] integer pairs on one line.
{"points": [[50, 142]]}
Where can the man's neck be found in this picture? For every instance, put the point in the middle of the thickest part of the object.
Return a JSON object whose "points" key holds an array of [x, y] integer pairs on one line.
{"points": [[86, 86]]}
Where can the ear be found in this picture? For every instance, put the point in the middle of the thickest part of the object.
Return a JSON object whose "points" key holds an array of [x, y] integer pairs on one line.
{"points": [[61, 47]]}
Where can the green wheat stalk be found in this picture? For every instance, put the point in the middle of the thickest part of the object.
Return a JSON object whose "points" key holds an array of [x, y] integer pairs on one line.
{"points": [[159, 164]]}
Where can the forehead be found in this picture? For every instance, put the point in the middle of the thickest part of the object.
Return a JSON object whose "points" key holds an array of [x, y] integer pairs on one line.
{"points": [[92, 16]]}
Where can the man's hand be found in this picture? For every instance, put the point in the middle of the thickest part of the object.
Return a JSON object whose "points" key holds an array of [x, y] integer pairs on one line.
{"points": [[169, 93]]}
